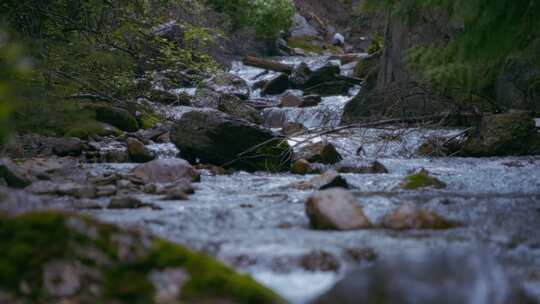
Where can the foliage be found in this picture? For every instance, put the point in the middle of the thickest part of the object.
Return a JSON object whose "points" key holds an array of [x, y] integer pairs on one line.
{"points": [[14, 67], [268, 17], [483, 35], [99, 47], [102, 48]]}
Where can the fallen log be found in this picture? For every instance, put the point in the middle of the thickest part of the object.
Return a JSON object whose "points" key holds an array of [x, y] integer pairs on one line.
{"points": [[268, 65]]}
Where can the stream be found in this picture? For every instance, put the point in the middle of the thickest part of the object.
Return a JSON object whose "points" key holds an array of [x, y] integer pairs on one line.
{"points": [[256, 222]]}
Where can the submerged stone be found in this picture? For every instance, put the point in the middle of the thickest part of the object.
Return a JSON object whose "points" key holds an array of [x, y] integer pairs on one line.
{"points": [[420, 180], [409, 216], [13, 175]]}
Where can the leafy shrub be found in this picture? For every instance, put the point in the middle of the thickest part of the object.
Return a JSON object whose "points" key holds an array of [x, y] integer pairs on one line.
{"points": [[268, 17]]}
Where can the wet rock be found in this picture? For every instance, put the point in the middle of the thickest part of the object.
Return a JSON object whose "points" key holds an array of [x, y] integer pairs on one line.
{"points": [[420, 180], [206, 98], [62, 278], [291, 128], [179, 191], [235, 107], [176, 194], [125, 202], [300, 76], [301, 167], [114, 116], [165, 171], [327, 180], [13, 175], [311, 100], [88, 204], [506, 134], [321, 152], [227, 83], [276, 85], [322, 75], [431, 277], [335, 209], [439, 147], [137, 151], [330, 88], [108, 190], [292, 101], [213, 170], [153, 133], [76, 190], [374, 167], [168, 98], [361, 254], [216, 138], [18, 201], [226, 103], [83, 261], [409, 216], [163, 138], [320, 260], [68, 147], [302, 28], [168, 284]]}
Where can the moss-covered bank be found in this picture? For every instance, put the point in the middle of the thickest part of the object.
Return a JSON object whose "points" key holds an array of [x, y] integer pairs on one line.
{"points": [[50, 257]]}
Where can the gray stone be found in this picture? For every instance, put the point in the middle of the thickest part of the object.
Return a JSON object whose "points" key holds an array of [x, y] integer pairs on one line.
{"points": [[165, 171], [335, 209], [13, 175]]}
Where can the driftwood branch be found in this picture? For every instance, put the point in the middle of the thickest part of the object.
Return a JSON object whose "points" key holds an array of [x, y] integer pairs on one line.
{"points": [[268, 65]]}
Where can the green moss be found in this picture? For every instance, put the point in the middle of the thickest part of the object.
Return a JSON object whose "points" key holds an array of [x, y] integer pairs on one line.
{"points": [[422, 179], [208, 278], [149, 120], [30, 241], [305, 43], [90, 128]]}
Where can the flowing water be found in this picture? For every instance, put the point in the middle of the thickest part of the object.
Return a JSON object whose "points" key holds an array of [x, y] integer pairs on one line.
{"points": [[256, 222]]}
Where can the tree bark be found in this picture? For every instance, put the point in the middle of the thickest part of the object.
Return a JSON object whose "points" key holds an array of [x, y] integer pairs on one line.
{"points": [[268, 65]]}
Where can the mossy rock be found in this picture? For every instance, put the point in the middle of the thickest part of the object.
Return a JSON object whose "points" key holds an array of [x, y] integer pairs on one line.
{"points": [[90, 128], [312, 45], [219, 139], [421, 180], [114, 116], [505, 134], [50, 257]]}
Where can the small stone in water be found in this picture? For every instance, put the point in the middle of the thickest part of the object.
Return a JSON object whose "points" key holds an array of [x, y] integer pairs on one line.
{"points": [[320, 261], [422, 179], [335, 209], [301, 167], [411, 217], [125, 202]]}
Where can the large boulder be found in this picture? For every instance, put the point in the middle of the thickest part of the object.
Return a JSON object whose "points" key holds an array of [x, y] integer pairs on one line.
{"points": [[300, 75], [114, 116], [395, 100], [52, 257], [429, 277], [276, 85], [335, 209], [226, 103], [219, 139], [511, 133], [13, 175], [165, 171], [137, 151], [227, 83], [330, 88], [326, 73]]}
